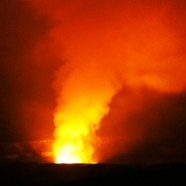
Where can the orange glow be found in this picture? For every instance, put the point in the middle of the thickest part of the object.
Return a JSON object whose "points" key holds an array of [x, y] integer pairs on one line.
{"points": [[103, 46]]}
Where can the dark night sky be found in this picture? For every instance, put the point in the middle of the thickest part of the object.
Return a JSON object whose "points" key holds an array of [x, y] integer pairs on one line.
{"points": [[155, 124]]}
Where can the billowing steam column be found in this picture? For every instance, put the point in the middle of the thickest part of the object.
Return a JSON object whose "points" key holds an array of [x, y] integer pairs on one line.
{"points": [[102, 46], [82, 104]]}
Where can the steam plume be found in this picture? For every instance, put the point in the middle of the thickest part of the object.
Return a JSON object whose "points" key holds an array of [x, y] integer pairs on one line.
{"points": [[110, 47]]}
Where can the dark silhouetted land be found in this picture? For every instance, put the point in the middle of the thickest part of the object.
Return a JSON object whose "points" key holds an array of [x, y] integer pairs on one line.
{"points": [[13, 173]]}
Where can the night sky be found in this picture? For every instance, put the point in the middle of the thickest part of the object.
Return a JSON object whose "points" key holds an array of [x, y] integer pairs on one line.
{"points": [[38, 39]]}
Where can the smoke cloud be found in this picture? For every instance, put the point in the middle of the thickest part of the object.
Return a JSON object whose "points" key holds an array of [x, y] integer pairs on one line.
{"points": [[26, 95], [125, 59]]}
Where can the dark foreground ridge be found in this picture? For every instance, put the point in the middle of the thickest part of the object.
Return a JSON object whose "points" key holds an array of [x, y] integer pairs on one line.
{"points": [[92, 174]]}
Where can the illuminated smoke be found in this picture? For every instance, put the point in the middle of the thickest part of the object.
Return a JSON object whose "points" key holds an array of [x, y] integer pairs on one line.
{"points": [[105, 46]]}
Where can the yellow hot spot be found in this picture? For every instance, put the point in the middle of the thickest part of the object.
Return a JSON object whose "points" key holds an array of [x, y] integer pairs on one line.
{"points": [[73, 140], [68, 154]]}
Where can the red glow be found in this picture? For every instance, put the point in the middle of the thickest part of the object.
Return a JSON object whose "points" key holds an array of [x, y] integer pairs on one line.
{"points": [[106, 45]]}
